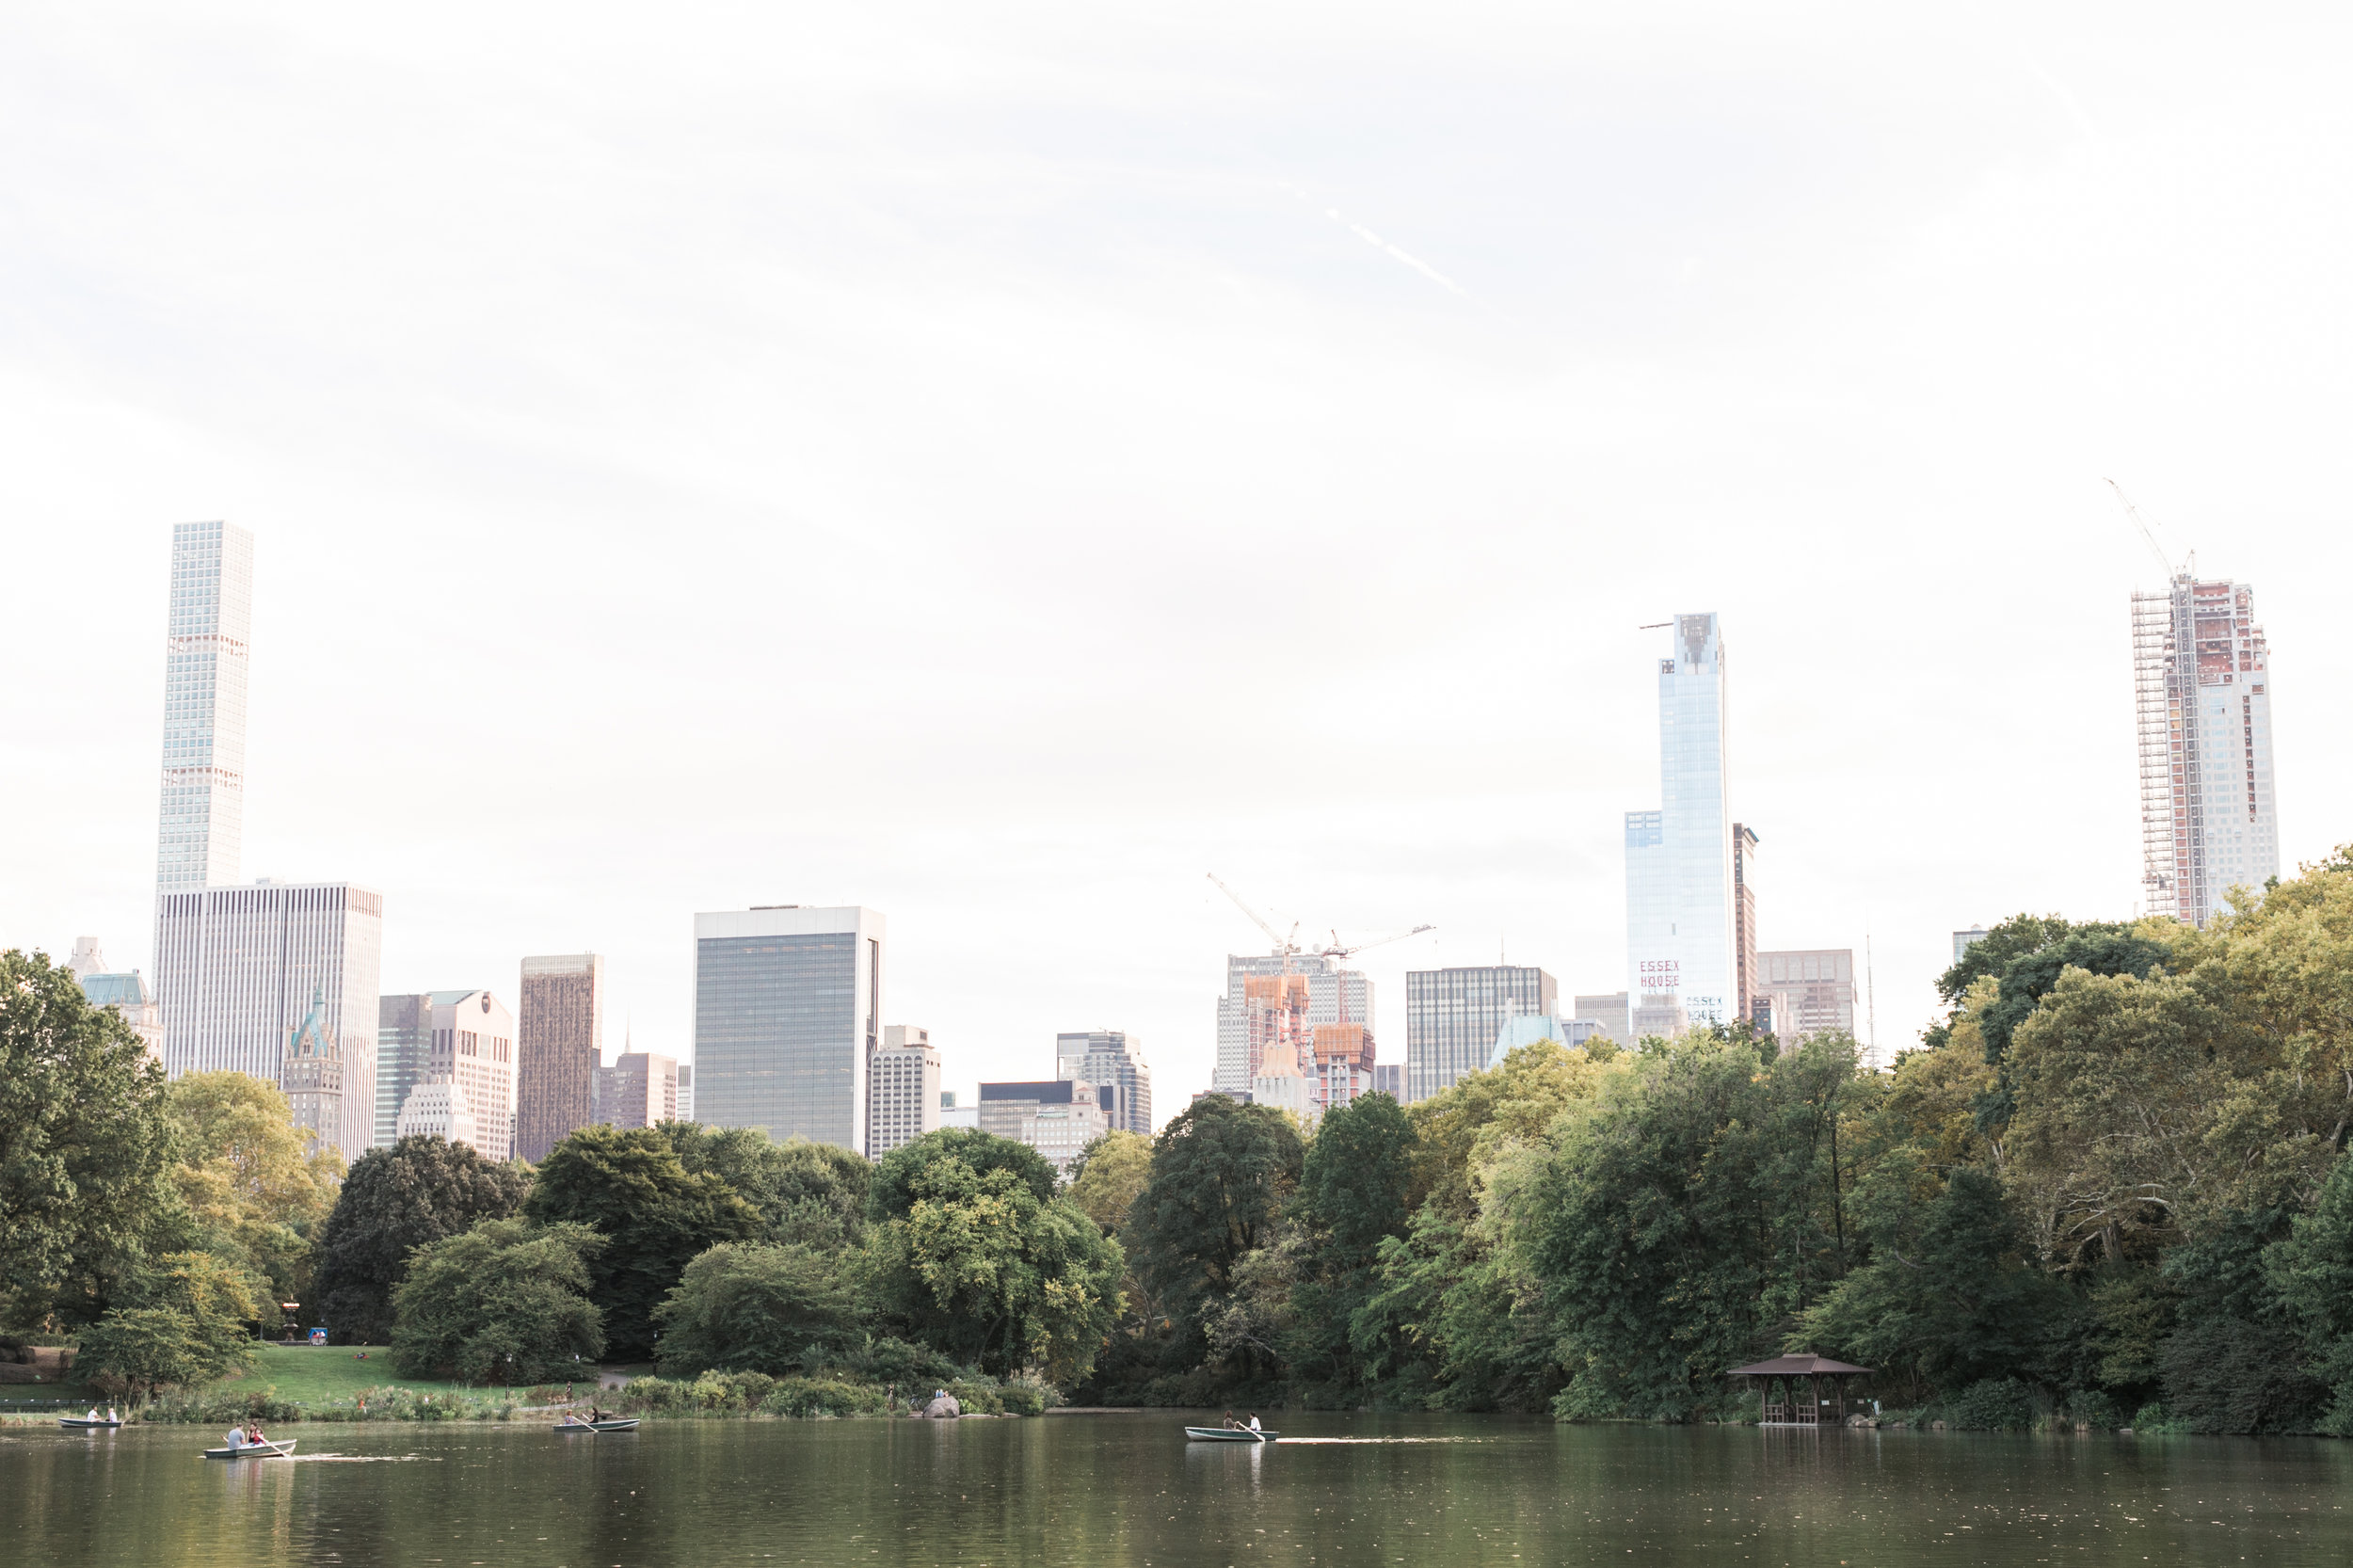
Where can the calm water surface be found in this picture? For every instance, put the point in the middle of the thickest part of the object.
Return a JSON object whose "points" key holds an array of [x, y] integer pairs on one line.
{"points": [[1127, 1490]]}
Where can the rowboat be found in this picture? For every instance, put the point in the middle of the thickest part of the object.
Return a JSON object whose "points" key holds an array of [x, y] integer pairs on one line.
{"points": [[82, 1423], [254, 1450], [570, 1427], [1229, 1434]]}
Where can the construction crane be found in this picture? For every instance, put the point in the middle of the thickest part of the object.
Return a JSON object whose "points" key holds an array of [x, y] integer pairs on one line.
{"points": [[1285, 947], [2133, 512], [1337, 951]]}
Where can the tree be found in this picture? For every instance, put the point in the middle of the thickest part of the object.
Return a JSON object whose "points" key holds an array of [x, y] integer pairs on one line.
{"points": [[1108, 1175], [505, 1301], [84, 1147], [630, 1184], [185, 1327], [898, 1173], [806, 1193], [745, 1309], [1220, 1173], [1680, 1225], [985, 1268], [422, 1190], [1356, 1191], [2310, 1272], [253, 1181]]}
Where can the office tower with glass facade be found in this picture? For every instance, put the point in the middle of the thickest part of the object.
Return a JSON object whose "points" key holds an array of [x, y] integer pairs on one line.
{"points": [[1389, 1077], [1808, 991], [2202, 692], [1334, 995], [903, 1084], [1114, 1057], [787, 1014], [1452, 1017], [640, 1089], [462, 1037], [1964, 940], [206, 664], [239, 969], [1680, 931], [559, 1045]]}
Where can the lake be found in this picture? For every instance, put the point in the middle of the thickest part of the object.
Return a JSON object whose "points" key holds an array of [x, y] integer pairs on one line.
{"points": [[1340, 1491]]}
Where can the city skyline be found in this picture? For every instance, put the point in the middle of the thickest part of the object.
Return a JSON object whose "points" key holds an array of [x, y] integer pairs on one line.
{"points": [[781, 532]]}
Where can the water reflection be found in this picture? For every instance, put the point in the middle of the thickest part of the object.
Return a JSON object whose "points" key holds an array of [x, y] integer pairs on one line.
{"points": [[1129, 1491]]}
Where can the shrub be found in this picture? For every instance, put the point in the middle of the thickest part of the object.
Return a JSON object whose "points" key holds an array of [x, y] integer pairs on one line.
{"points": [[1994, 1404], [820, 1397], [2092, 1408], [2226, 1375], [506, 1300], [741, 1308]]}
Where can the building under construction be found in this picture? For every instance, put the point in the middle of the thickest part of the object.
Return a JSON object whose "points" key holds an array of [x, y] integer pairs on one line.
{"points": [[1302, 1014], [2202, 692]]}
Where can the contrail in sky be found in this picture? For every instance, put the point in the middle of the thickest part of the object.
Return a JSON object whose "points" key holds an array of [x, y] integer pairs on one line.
{"points": [[1383, 245]]}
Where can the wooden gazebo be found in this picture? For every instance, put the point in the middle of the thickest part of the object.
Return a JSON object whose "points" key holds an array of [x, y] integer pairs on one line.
{"points": [[1786, 1405]]}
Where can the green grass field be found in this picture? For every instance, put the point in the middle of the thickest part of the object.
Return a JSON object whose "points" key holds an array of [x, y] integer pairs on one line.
{"points": [[319, 1374]]}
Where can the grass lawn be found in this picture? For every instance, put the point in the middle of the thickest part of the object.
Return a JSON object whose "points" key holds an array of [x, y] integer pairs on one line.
{"points": [[320, 1374]]}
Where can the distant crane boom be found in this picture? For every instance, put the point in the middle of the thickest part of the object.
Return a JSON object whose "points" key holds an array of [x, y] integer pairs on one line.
{"points": [[1337, 951], [1284, 946], [2133, 512]]}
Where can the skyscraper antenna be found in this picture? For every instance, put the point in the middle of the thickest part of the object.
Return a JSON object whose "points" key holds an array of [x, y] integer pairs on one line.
{"points": [[1870, 996]]}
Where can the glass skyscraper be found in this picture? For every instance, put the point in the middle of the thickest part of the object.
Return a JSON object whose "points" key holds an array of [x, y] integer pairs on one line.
{"points": [[1452, 1017], [205, 668], [787, 1003], [1679, 858]]}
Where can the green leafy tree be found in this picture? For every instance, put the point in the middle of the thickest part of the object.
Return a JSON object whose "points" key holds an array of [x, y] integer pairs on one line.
{"points": [[2310, 1275], [423, 1190], [900, 1173], [988, 1269], [1108, 1175], [186, 1326], [85, 1151], [1355, 1192], [630, 1184], [1683, 1222], [505, 1301], [255, 1186], [806, 1193], [1221, 1174], [748, 1309]]}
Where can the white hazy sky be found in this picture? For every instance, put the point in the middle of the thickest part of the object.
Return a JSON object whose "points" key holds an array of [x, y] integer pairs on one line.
{"points": [[996, 463]]}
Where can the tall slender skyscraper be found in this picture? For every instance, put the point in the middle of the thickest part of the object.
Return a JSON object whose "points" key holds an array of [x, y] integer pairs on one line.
{"points": [[2202, 681], [1680, 932], [205, 686]]}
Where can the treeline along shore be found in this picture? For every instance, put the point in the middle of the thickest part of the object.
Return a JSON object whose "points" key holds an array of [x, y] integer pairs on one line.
{"points": [[2107, 1190]]}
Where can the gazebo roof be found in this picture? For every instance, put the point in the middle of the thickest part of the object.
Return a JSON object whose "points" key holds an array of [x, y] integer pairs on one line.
{"points": [[1795, 1365]]}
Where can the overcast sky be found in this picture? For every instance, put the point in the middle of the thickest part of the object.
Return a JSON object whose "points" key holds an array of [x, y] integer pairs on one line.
{"points": [[997, 463]]}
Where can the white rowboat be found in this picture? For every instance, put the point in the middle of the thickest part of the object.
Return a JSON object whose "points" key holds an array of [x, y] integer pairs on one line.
{"points": [[254, 1450], [1229, 1434]]}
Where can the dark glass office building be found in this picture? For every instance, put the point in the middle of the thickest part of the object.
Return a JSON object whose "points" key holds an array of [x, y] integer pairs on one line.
{"points": [[787, 1003]]}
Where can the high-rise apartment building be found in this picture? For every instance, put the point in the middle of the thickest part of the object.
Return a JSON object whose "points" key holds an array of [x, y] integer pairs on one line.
{"points": [[559, 1045], [461, 1037], [207, 661], [2209, 821], [1057, 1118], [687, 1091], [1452, 1017], [640, 1089], [788, 1013], [1334, 995], [1964, 940], [1680, 931], [126, 992], [1806, 992], [1109, 1056], [1743, 921], [1610, 1013], [903, 1085], [239, 969], [1389, 1077]]}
